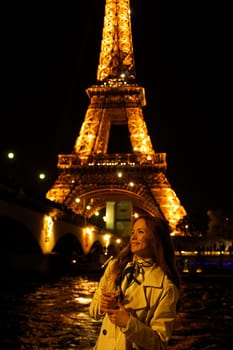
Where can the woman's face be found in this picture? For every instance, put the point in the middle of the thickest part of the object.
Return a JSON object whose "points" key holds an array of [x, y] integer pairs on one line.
{"points": [[140, 239]]}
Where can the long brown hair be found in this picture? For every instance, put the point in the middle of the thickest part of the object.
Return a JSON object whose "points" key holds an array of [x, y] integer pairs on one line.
{"points": [[162, 250]]}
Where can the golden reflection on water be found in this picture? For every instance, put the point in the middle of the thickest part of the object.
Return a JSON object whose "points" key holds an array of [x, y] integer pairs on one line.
{"points": [[55, 316]]}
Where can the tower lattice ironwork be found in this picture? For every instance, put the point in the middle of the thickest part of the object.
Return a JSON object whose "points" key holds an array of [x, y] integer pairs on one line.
{"points": [[90, 175]]}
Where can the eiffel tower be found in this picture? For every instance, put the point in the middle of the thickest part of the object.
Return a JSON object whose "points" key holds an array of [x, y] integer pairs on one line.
{"points": [[90, 178]]}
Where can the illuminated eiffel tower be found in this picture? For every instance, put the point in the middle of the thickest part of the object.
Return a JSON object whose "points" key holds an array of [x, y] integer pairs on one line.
{"points": [[90, 178]]}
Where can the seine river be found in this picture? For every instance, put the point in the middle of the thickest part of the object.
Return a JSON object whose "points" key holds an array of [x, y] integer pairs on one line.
{"points": [[54, 315]]}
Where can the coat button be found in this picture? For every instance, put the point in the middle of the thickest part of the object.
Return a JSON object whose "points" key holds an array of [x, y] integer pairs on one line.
{"points": [[104, 331]]}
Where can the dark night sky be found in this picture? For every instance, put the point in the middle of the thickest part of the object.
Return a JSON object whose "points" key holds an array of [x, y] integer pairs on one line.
{"points": [[182, 54]]}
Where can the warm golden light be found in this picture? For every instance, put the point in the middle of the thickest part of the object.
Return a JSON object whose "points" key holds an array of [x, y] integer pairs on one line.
{"points": [[116, 20], [87, 238], [116, 99], [83, 301], [107, 240], [47, 234]]}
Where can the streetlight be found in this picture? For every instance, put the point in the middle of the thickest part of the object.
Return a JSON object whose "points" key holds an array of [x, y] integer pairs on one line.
{"points": [[10, 155], [42, 176]]}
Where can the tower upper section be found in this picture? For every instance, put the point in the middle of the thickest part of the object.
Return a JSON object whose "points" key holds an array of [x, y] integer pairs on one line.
{"points": [[116, 59]]}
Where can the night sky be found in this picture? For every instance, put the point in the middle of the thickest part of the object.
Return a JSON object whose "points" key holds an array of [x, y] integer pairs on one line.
{"points": [[183, 60]]}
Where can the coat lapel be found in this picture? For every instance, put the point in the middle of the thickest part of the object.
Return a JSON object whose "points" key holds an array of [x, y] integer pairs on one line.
{"points": [[135, 297]]}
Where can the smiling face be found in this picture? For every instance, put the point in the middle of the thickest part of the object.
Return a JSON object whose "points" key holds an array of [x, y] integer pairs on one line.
{"points": [[140, 239]]}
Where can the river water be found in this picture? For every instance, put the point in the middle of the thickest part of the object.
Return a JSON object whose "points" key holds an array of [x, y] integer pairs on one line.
{"points": [[54, 315]]}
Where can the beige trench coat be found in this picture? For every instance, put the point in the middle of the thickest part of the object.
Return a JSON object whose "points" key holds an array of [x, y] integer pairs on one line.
{"points": [[152, 306]]}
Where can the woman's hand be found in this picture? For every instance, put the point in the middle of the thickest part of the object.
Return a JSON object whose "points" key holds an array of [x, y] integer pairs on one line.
{"points": [[119, 316], [109, 300]]}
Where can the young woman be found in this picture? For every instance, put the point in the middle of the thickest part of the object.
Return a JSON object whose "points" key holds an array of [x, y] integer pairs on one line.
{"points": [[137, 295]]}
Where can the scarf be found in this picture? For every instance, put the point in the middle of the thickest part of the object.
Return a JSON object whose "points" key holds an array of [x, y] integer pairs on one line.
{"points": [[135, 272]]}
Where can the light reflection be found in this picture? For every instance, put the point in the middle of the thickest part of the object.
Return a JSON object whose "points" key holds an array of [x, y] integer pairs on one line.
{"points": [[83, 300], [53, 317]]}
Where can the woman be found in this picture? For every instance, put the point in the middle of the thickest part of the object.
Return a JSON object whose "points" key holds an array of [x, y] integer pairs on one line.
{"points": [[138, 293]]}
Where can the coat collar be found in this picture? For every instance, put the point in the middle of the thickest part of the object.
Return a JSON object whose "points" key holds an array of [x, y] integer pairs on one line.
{"points": [[135, 297], [155, 278]]}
